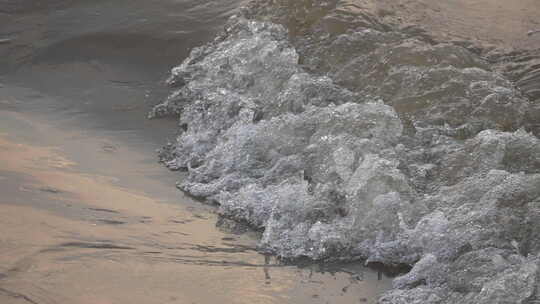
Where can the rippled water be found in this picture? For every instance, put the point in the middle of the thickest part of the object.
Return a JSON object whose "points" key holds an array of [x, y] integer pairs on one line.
{"points": [[89, 52]]}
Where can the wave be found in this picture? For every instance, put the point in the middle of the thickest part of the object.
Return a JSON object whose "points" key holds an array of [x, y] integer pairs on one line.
{"points": [[344, 138]]}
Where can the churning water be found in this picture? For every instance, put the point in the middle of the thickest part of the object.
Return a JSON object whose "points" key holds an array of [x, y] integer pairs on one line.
{"points": [[344, 137]]}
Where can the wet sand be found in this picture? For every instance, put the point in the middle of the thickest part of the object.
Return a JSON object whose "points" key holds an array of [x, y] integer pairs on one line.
{"points": [[86, 219]]}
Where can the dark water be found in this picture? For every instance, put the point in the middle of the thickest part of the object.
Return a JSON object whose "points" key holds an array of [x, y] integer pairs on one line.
{"points": [[105, 59]]}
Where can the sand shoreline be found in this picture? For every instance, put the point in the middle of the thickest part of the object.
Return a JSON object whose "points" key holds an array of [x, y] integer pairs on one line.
{"points": [[87, 218]]}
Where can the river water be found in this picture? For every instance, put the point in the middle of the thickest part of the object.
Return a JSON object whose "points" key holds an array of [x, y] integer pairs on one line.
{"points": [[295, 141]]}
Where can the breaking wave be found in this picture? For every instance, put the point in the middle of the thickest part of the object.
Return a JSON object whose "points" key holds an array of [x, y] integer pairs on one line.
{"points": [[345, 138]]}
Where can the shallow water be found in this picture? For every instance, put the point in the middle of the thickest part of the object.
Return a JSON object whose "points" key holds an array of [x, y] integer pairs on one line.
{"points": [[107, 59], [87, 215]]}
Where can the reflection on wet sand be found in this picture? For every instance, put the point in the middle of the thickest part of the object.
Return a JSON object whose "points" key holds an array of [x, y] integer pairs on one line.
{"points": [[75, 235]]}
